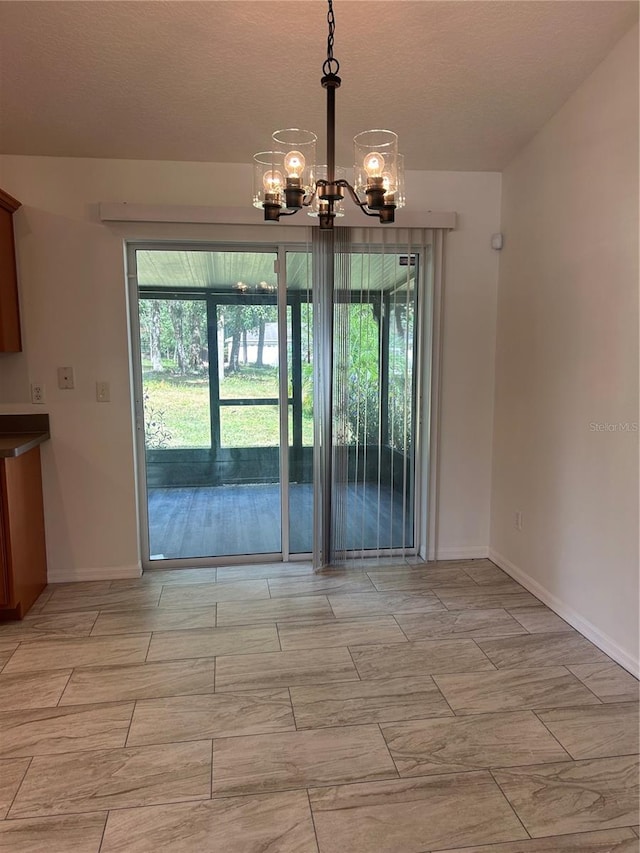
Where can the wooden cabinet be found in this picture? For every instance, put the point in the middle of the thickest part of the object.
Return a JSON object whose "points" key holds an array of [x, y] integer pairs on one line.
{"points": [[23, 558], [4, 565], [10, 340]]}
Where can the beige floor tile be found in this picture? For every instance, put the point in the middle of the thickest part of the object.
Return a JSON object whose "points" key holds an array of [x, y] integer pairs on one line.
{"points": [[574, 796], [264, 571], [460, 624], [541, 650], [357, 702], [514, 689], [263, 763], [32, 689], [272, 823], [12, 772], [139, 681], [609, 841], [303, 716], [413, 815], [54, 626], [461, 564], [206, 594], [340, 632], [48, 731], [114, 778], [79, 588], [487, 574], [168, 576], [423, 747], [42, 655], [351, 606], [209, 642], [320, 585], [183, 718], [597, 731], [471, 589], [273, 610], [283, 669], [610, 682], [6, 652], [420, 657], [480, 599], [115, 599], [410, 578], [540, 620], [65, 834], [154, 619]]}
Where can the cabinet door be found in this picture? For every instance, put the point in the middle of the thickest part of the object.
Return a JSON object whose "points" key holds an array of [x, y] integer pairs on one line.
{"points": [[24, 528], [10, 340]]}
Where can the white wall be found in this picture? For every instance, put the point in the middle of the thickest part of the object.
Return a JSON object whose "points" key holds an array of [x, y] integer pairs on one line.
{"points": [[567, 358], [74, 312]]}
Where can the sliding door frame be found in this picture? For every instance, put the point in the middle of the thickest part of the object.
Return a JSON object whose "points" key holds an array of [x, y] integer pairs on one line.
{"points": [[423, 397]]}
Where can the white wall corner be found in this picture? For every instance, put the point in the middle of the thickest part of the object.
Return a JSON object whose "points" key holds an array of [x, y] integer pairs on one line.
{"points": [[94, 573], [584, 626]]}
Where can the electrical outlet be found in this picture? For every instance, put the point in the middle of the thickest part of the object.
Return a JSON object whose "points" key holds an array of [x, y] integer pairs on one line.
{"points": [[65, 378], [518, 520], [103, 393], [37, 393]]}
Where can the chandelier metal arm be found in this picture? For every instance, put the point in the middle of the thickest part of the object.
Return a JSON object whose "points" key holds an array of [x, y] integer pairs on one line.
{"points": [[356, 199]]}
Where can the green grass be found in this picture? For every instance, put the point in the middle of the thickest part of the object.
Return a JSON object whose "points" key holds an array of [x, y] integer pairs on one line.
{"points": [[179, 405]]}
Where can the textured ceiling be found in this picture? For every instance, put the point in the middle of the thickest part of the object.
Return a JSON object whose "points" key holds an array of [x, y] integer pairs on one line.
{"points": [[464, 84]]}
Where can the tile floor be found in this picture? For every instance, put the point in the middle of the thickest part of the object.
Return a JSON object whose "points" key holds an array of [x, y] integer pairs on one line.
{"points": [[379, 709]]}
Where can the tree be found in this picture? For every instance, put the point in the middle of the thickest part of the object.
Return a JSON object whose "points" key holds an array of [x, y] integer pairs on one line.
{"points": [[154, 337], [176, 312], [240, 319], [174, 329], [260, 348]]}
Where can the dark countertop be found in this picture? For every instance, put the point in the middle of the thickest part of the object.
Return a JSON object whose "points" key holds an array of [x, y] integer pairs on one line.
{"points": [[21, 433]]}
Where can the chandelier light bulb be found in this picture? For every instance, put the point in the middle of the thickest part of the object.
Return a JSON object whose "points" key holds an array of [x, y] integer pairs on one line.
{"points": [[374, 164], [294, 164], [272, 181]]}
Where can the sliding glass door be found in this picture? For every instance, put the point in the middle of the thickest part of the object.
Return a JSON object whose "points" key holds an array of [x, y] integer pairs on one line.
{"points": [[209, 371], [225, 367]]}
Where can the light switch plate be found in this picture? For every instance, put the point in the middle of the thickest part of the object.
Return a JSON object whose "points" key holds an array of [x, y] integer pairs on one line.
{"points": [[103, 392]]}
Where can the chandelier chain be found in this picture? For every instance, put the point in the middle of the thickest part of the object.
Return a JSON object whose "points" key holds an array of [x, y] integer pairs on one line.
{"points": [[330, 65]]}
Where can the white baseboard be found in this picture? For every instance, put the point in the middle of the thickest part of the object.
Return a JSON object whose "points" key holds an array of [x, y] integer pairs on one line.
{"points": [[456, 552], [603, 641], [94, 573]]}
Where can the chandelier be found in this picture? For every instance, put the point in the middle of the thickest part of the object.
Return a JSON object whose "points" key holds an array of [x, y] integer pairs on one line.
{"points": [[287, 179]]}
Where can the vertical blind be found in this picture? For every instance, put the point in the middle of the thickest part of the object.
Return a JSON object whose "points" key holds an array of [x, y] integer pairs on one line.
{"points": [[370, 290]]}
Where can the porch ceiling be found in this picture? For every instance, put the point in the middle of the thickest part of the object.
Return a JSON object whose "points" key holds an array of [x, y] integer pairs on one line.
{"points": [[189, 270]]}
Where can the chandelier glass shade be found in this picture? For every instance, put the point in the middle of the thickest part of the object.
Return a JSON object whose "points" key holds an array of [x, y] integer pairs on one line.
{"points": [[288, 179]]}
